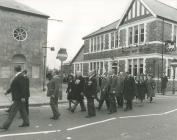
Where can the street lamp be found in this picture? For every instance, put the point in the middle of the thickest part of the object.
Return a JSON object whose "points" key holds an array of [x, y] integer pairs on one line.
{"points": [[174, 65], [45, 55], [62, 56]]}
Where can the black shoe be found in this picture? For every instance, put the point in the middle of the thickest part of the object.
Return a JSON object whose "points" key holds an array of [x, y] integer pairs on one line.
{"points": [[24, 125], [2, 129], [72, 110]]}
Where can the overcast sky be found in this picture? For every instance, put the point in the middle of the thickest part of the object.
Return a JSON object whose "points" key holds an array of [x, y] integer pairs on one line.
{"points": [[80, 18]]}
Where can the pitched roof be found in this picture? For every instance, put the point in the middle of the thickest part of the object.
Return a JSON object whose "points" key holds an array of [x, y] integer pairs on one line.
{"points": [[82, 47], [14, 5], [162, 10], [106, 28]]}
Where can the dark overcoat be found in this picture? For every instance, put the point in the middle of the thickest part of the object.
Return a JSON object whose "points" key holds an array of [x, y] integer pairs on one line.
{"points": [[70, 90], [129, 88], [91, 88]]}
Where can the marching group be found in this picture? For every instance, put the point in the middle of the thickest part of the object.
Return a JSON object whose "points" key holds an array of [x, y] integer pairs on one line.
{"points": [[113, 89]]}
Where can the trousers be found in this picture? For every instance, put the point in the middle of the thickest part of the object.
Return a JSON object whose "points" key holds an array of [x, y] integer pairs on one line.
{"points": [[16, 106], [54, 106]]}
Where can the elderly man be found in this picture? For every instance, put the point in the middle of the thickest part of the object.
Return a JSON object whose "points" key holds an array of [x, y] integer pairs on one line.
{"points": [[78, 91], [17, 89], [54, 92], [90, 93]]}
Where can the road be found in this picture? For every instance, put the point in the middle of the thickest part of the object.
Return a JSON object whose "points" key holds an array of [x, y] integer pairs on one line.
{"points": [[155, 121]]}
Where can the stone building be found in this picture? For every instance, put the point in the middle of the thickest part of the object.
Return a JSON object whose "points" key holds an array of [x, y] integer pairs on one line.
{"points": [[23, 33], [143, 40]]}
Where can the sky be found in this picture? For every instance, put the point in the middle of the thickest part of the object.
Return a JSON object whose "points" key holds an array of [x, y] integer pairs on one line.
{"points": [[80, 18]]}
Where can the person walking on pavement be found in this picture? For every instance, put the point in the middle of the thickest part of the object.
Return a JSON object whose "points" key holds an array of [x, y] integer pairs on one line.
{"points": [[78, 92], [164, 81], [129, 91], [17, 89], [119, 89], [150, 88], [27, 90], [90, 93], [104, 92], [53, 91], [70, 90], [112, 92]]}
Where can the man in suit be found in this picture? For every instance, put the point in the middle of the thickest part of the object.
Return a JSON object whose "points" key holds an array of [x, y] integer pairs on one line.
{"points": [[27, 90], [17, 89]]}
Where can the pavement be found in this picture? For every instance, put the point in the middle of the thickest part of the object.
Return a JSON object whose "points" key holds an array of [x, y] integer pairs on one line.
{"points": [[36, 98]]}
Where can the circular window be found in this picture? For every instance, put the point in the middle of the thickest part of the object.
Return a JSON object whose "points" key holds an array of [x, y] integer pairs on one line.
{"points": [[20, 34]]}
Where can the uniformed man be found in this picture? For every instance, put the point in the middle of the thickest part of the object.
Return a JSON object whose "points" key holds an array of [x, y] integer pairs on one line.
{"points": [[90, 93], [112, 92], [119, 89], [104, 91]]}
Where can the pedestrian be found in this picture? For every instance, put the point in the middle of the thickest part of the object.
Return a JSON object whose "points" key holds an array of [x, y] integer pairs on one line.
{"points": [[141, 88], [27, 90], [90, 93], [79, 92], [112, 89], [119, 89], [54, 92], [104, 91], [70, 90], [129, 91], [150, 88], [164, 81], [17, 89]]}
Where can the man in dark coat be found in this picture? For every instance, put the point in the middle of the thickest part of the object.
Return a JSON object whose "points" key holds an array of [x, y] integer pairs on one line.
{"points": [[90, 93], [164, 81], [27, 90], [112, 92], [17, 89], [129, 91], [78, 92], [119, 89], [104, 91]]}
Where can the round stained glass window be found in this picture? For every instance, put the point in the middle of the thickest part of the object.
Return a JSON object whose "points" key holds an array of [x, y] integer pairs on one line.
{"points": [[20, 34]]}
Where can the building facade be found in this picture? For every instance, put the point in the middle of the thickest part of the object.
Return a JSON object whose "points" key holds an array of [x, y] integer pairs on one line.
{"points": [[142, 41], [23, 33]]}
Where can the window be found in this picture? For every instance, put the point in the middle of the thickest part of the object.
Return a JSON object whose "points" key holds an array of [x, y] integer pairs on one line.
{"points": [[112, 40], [130, 35], [94, 44], [135, 67], [169, 72], [101, 67], [136, 34], [94, 66], [141, 66], [98, 43], [141, 33], [102, 42], [107, 41], [130, 66], [91, 66], [20, 34], [175, 34], [116, 39]]}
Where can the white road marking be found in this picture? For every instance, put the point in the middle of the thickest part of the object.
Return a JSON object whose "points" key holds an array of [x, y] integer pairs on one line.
{"points": [[89, 124], [50, 125], [148, 115], [37, 126], [29, 133], [68, 138], [3, 109]]}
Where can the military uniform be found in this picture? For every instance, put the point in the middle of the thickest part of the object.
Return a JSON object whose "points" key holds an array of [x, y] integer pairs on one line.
{"points": [[90, 93], [112, 93], [104, 93]]}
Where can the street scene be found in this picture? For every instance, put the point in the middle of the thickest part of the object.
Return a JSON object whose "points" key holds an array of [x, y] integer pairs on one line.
{"points": [[88, 70]]}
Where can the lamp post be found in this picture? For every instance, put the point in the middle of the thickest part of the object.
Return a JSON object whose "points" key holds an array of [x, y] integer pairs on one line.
{"points": [[62, 56], [174, 65], [44, 65]]}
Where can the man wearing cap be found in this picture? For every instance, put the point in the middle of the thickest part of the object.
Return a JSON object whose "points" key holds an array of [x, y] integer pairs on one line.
{"points": [[90, 93], [112, 92], [129, 91], [17, 89], [78, 92]]}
